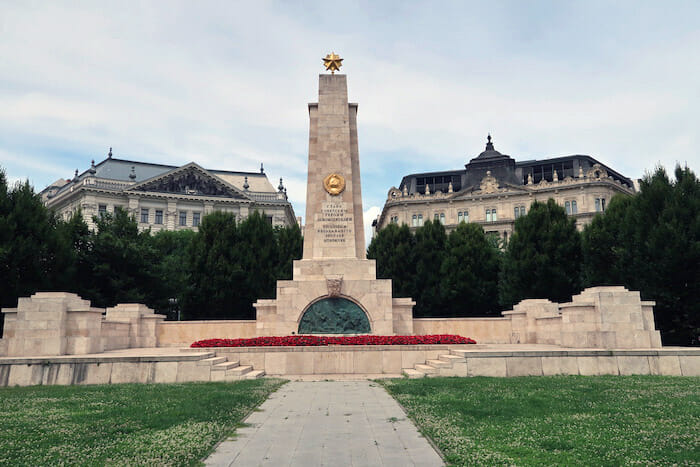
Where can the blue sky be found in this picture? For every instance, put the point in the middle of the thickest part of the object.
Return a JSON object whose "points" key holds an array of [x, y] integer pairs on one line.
{"points": [[225, 84]]}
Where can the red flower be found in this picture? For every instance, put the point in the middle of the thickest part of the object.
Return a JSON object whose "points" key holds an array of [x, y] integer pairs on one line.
{"points": [[311, 340]]}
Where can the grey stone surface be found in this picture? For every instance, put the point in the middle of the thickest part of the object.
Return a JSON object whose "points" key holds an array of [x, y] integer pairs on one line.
{"points": [[327, 423]]}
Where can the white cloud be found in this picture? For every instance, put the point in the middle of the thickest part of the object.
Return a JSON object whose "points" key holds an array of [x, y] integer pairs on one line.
{"points": [[226, 85]]}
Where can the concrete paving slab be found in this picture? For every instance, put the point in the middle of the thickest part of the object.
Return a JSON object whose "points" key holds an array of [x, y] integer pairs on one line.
{"points": [[305, 423]]}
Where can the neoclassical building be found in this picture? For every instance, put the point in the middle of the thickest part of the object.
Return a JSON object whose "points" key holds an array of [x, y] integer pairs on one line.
{"points": [[165, 196], [494, 190]]}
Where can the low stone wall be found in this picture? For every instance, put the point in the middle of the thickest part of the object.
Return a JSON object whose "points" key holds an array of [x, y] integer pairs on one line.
{"points": [[669, 362], [184, 333], [482, 330], [68, 370]]}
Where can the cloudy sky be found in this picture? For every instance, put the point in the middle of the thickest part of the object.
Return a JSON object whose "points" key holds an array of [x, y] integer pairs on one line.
{"points": [[225, 84]]}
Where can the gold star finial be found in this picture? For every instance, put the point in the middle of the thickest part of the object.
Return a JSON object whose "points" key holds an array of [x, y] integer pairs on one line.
{"points": [[332, 62]]}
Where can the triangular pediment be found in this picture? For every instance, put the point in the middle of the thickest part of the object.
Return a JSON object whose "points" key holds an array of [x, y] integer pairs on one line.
{"points": [[505, 189], [190, 180]]}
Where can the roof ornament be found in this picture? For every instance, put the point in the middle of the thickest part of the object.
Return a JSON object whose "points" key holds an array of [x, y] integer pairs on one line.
{"points": [[555, 177], [245, 184], [75, 178], [489, 144], [109, 154], [262, 169], [332, 62], [427, 189], [132, 175], [280, 187], [93, 169]]}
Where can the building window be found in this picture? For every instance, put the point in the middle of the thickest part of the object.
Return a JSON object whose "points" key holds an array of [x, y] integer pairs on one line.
{"points": [[600, 204], [491, 215], [394, 219], [195, 219], [183, 218], [102, 210], [144, 215], [159, 216], [519, 211], [420, 220], [268, 219], [442, 218], [567, 206], [414, 221], [574, 209]]}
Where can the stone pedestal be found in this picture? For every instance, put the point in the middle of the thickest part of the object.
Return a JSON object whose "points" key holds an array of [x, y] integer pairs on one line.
{"points": [[599, 318], [52, 323], [334, 271]]}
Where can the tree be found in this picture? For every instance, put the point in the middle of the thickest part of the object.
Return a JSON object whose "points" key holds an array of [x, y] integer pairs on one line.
{"points": [[231, 266], [604, 244], [543, 257], [429, 253], [27, 243], [392, 248], [171, 248], [651, 243], [469, 273], [290, 246], [122, 263]]}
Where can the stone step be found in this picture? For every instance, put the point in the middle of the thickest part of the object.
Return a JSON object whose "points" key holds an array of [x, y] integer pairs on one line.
{"points": [[439, 363], [413, 374], [239, 371], [459, 352], [427, 369], [225, 366], [255, 374], [211, 361], [452, 358]]}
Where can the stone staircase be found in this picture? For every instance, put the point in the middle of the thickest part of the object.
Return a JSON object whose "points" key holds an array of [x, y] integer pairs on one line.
{"points": [[452, 364], [223, 370]]}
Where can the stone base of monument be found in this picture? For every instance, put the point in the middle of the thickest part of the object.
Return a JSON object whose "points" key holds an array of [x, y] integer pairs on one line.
{"points": [[320, 301]]}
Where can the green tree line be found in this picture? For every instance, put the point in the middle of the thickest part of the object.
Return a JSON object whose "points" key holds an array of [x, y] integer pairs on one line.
{"points": [[217, 272], [649, 242]]}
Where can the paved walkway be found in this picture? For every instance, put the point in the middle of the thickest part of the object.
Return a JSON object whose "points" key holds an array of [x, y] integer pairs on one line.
{"points": [[334, 423]]}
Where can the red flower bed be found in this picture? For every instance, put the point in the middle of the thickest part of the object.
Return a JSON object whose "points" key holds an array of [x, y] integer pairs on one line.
{"points": [[309, 340]]}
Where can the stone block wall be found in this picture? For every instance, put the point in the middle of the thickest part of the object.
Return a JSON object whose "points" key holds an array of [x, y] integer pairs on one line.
{"points": [[598, 318], [62, 323]]}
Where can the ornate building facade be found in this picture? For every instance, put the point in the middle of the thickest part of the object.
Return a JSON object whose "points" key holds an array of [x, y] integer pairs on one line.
{"points": [[165, 197], [494, 190]]}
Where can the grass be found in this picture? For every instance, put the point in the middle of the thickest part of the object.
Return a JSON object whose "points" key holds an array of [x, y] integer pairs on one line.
{"points": [[123, 424], [561, 420]]}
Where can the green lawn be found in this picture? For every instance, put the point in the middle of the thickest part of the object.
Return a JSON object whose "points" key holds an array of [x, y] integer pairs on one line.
{"points": [[563, 420], [122, 424]]}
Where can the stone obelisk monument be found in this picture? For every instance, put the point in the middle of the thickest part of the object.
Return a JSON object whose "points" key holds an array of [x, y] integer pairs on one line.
{"points": [[334, 289]]}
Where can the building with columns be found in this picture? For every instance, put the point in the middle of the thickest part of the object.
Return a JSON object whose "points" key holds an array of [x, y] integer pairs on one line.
{"points": [[494, 190], [165, 197]]}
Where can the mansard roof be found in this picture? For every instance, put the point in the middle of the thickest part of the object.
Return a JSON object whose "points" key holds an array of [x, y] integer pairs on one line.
{"points": [[502, 165], [132, 171]]}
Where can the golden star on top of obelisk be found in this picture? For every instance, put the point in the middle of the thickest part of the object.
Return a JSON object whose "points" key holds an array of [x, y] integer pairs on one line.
{"points": [[332, 62]]}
